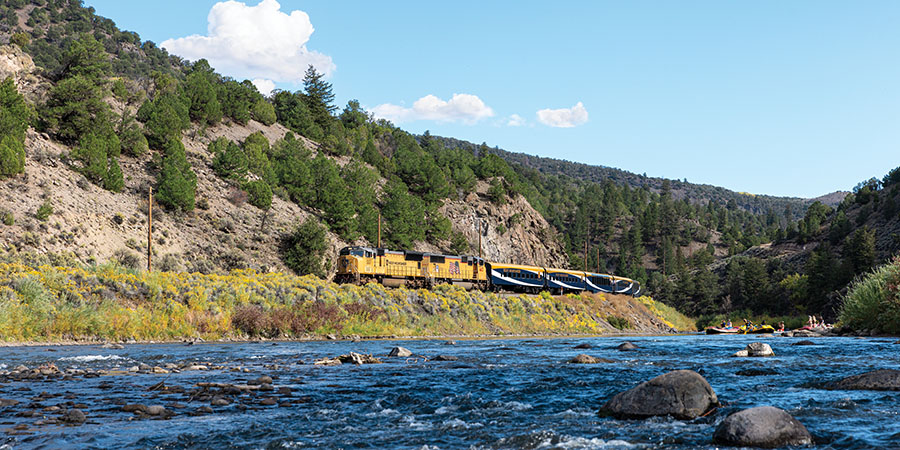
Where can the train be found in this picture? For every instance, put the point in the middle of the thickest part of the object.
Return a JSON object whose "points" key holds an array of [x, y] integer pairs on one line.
{"points": [[396, 268]]}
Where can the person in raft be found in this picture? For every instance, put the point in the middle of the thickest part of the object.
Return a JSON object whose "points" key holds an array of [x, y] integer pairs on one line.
{"points": [[780, 326]]}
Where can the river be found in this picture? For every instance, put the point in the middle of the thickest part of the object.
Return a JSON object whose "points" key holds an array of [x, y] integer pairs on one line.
{"points": [[499, 394]]}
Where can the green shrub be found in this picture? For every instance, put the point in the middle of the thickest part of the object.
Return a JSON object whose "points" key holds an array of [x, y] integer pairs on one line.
{"points": [[44, 211], [7, 218], [304, 250], [620, 323], [873, 302], [259, 193]]}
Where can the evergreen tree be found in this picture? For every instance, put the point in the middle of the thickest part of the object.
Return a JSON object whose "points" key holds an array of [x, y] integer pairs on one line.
{"points": [[85, 57], [403, 213], [304, 250], [177, 183], [75, 107], [291, 166], [332, 196], [15, 115], [319, 98], [230, 161], [114, 181], [165, 118], [263, 112], [259, 194], [203, 103]]}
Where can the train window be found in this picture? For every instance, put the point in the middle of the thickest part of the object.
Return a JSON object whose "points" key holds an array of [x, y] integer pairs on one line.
{"points": [[357, 252], [344, 251]]}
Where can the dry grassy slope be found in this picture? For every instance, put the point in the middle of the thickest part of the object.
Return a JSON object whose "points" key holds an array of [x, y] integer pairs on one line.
{"points": [[220, 235]]}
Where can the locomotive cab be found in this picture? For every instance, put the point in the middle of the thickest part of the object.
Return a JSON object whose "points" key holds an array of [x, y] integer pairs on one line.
{"points": [[353, 262]]}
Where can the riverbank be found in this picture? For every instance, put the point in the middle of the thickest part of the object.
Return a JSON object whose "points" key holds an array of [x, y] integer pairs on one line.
{"points": [[91, 304]]}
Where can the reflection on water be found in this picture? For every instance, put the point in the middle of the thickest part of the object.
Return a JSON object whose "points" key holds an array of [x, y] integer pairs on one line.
{"points": [[499, 394]]}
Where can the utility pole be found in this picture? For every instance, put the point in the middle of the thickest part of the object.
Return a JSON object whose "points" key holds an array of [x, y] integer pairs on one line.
{"points": [[598, 259], [379, 229], [149, 229], [584, 268], [479, 237]]}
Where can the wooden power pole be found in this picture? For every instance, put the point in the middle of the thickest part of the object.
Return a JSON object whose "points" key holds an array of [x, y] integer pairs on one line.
{"points": [[149, 229], [379, 229]]}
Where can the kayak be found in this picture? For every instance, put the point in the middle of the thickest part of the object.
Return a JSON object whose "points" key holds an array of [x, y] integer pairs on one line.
{"points": [[719, 330], [762, 329]]}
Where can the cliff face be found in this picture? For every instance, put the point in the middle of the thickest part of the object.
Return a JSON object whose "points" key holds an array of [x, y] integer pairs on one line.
{"points": [[512, 232]]}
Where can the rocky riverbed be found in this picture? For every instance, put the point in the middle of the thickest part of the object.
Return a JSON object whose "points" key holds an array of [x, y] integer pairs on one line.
{"points": [[491, 394]]}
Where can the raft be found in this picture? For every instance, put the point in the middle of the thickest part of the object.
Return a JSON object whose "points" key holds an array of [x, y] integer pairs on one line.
{"points": [[761, 329], [719, 330]]}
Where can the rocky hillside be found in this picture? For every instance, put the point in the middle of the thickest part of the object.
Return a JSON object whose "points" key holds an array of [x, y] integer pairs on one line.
{"points": [[224, 232]]}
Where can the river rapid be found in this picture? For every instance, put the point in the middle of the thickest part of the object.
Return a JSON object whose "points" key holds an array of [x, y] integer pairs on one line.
{"points": [[498, 394]]}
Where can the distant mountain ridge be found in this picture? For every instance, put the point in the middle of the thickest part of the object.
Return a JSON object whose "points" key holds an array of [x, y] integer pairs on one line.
{"points": [[702, 193]]}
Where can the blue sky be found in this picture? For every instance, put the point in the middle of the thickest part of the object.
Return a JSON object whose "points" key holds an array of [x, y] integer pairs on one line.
{"points": [[785, 98]]}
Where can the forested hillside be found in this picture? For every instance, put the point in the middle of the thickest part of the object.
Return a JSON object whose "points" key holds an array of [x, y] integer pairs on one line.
{"points": [[247, 180]]}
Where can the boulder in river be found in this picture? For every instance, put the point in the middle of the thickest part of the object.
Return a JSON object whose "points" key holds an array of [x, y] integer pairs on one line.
{"points": [[587, 359], [400, 352], [763, 426], [445, 358], [585, 345], [74, 417], [683, 394], [626, 346], [113, 346], [755, 349], [878, 380]]}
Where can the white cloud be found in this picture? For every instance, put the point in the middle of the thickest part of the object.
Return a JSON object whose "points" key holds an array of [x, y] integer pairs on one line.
{"points": [[563, 118], [254, 42], [264, 86], [465, 108], [515, 120]]}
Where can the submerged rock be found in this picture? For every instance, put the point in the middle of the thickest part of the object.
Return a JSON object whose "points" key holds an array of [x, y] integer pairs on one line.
{"points": [[756, 372], [683, 394], [878, 380], [626, 346], [445, 358], [585, 345], [113, 346], [804, 342], [400, 352], [763, 426], [588, 359]]}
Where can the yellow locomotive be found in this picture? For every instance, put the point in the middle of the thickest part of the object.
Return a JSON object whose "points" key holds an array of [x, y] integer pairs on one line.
{"points": [[360, 265]]}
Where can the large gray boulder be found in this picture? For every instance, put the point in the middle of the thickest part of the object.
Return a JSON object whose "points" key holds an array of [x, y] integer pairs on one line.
{"points": [[879, 380], [683, 394], [763, 426]]}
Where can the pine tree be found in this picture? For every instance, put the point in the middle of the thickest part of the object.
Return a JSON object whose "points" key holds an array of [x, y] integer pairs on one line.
{"points": [[113, 180], [15, 115], [319, 98], [177, 183], [304, 250]]}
